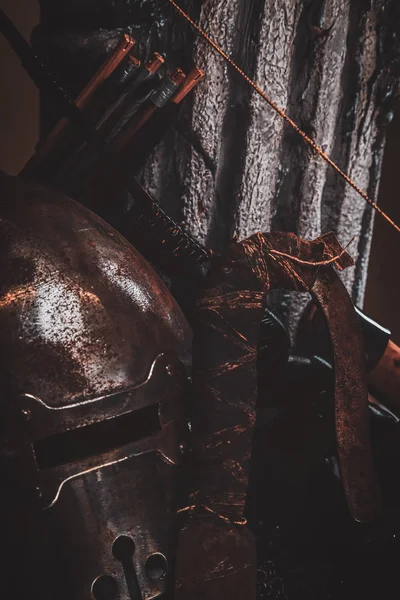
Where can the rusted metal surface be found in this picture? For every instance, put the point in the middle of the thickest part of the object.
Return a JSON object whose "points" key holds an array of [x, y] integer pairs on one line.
{"points": [[93, 350], [226, 335], [43, 430], [92, 338], [89, 312]]}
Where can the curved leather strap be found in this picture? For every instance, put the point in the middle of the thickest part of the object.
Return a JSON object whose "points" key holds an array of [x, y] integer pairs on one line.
{"points": [[216, 552], [351, 396]]}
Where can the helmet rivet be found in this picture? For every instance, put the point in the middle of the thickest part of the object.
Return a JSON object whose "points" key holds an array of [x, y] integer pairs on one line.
{"points": [[182, 447], [169, 369], [26, 414]]}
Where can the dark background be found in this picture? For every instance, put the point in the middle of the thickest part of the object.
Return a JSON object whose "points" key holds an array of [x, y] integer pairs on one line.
{"points": [[19, 109]]}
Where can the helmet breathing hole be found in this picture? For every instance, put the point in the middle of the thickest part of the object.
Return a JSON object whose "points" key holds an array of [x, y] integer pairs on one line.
{"points": [[123, 548], [156, 566], [105, 588]]}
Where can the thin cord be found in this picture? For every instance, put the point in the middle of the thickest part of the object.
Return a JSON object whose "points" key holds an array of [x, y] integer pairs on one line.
{"points": [[317, 263], [288, 120]]}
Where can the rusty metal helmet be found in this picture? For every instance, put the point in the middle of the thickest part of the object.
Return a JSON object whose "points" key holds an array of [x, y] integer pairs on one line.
{"points": [[94, 357]]}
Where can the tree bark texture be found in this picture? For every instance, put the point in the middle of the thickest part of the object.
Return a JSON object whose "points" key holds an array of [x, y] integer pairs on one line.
{"points": [[230, 165]]}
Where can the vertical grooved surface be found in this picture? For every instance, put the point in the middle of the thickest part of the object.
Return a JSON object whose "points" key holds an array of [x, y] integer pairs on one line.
{"points": [[229, 165]]}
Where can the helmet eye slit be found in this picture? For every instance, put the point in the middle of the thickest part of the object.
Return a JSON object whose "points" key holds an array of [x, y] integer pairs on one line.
{"points": [[98, 438]]}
